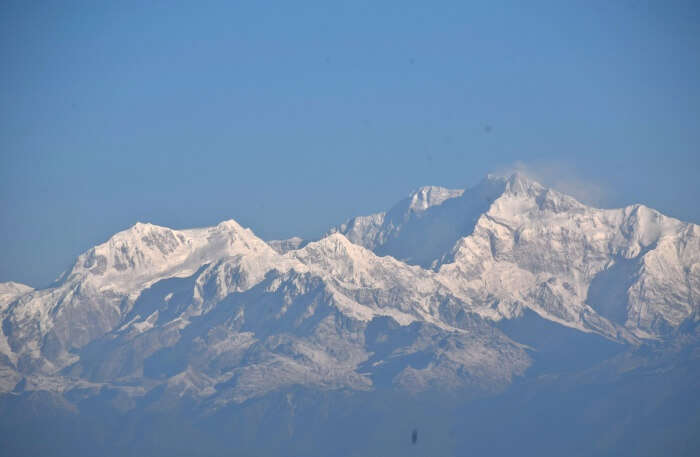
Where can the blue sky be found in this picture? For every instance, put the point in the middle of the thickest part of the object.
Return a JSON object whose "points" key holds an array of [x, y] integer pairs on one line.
{"points": [[292, 117]]}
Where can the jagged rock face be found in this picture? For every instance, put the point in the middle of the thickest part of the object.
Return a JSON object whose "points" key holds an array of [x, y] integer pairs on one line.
{"points": [[407, 299]]}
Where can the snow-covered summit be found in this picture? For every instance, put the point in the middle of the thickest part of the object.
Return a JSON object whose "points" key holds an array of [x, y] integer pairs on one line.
{"points": [[510, 243], [146, 252], [423, 227], [228, 317], [11, 290], [424, 197], [518, 183]]}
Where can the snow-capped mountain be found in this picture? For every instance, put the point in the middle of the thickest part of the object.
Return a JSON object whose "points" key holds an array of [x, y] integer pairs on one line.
{"points": [[413, 299], [510, 243]]}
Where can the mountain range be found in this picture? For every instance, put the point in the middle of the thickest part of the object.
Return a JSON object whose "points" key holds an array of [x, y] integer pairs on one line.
{"points": [[475, 298]]}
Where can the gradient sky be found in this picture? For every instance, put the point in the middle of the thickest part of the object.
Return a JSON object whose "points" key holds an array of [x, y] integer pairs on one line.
{"points": [[290, 118]]}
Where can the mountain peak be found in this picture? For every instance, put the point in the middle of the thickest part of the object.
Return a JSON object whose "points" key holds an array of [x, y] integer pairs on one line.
{"points": [[515, 183], [146, 251], [427, 196], [405, 300], [142, 225], [11, 290], [230, 225], [335, 241], [333, 248], [136, 232]]}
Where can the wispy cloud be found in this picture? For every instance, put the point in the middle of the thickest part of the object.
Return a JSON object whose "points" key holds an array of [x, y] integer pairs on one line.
{"points": [[564, 177]]}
